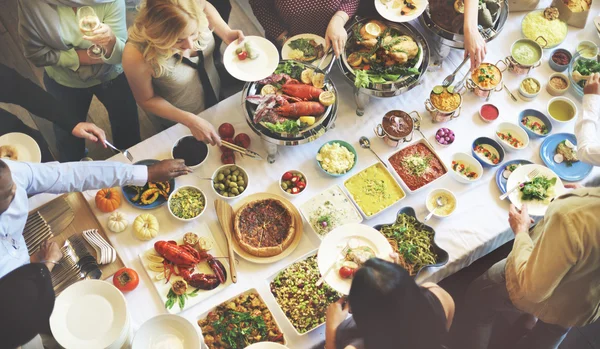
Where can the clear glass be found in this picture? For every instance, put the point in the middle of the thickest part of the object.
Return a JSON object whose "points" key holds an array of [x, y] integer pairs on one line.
{"points": [[88, 21]]}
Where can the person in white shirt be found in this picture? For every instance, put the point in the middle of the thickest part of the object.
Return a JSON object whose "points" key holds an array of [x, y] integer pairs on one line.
{"points": [[19, 180], [587, 128]]}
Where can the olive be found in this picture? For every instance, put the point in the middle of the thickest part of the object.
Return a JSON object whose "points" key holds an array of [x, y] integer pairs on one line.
{"points": [[228, 177], [221, 186], [236, 173], [227, 181], [284, 186], [241, 188], [217, 186], [299, 176], [289, 191], [233, 168], [220, 177], [235, 191], [233, 178], [240, 182], [226, 172], [233, 185]]}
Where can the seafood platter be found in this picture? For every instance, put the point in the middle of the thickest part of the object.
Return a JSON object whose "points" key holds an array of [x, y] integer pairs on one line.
{"points": [[383, 59], [295, 105]]}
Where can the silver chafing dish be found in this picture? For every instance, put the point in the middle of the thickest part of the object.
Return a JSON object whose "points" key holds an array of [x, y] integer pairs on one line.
{"points": [[271, 139], [392, 89]]}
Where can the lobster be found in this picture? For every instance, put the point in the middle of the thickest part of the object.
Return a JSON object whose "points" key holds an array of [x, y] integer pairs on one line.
{"points": [[298, 109], [302, 91], [185, 258]]}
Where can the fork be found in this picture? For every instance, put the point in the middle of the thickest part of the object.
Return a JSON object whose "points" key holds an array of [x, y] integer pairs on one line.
{"points": [[450, 78], [343, 253], [125, 153], [528, 178]]}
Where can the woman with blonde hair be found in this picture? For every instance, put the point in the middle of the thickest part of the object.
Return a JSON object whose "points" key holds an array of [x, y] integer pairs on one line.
{"points": [[168, 61]]}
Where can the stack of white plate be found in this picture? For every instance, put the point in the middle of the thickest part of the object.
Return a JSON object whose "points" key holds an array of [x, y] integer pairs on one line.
{"points": [[91, 314], [167, 332]]}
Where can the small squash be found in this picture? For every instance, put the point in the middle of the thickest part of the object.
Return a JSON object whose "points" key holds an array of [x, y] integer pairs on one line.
{"points": [[145, 227], [117, 222], [108, 200], [149, 196]]}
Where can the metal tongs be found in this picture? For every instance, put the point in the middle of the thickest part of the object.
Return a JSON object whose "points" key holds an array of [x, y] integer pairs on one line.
{"points": [[249, 153]]}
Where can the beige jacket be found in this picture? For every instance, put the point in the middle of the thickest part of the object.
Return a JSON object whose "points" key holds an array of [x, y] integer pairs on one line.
{"points": [[555, 273]]}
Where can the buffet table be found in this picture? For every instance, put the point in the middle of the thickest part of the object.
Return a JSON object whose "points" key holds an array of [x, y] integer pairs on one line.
{"points": [[477, 227]]}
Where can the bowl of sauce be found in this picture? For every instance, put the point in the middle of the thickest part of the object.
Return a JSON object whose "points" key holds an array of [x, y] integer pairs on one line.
{"points": [[535, 123], [447, 199], [192, 151], [529, 89], [560, 59], [397, 127], [562, 109], [525, 54], [587, 49], [558, 84], [488, 112]]}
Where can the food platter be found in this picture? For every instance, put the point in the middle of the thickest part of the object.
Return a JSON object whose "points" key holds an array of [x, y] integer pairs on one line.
{"points": [[251, 69], [572, 173], [163, 287], [298, 224], [535, 207], [387, 10], [500, 175], [286, 50], [129, 193], [248, 293], [330, 251]]}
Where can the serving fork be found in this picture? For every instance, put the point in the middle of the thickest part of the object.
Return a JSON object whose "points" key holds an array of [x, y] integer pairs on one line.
{"points": [[530, 176], [450, 78], [125, 153], [322, 278]]}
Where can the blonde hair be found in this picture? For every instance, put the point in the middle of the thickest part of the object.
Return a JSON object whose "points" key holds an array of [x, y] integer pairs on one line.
{"points": [[158, 26]]}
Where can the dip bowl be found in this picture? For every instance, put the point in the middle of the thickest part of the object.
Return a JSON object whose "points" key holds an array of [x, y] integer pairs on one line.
{"points": [[490, 146], [515, 131], [534, 116], [301, 187], [556, 66], [557, 118], [448, 198], [215, 180], [525, 55], [490, 109], [553, 90], [192, 151], [439, 115], [397, 127], [345, 145], [528, 96], [470, 163]]}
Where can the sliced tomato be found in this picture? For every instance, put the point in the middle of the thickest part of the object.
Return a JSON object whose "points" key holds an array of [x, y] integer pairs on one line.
{"points": [[301, 185], [287, 176], [126, 279]]}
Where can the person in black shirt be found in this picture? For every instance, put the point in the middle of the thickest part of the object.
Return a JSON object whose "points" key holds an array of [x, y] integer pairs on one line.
{"points": [[16, 89]]}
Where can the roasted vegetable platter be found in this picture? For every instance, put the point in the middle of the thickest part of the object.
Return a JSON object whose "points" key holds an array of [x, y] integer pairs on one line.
{"points": [[151, 195], [184, 271]]}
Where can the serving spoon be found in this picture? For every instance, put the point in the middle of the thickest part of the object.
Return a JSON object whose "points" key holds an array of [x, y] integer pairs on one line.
{"points": [[450, 78], [439, 203], [365, 143]]}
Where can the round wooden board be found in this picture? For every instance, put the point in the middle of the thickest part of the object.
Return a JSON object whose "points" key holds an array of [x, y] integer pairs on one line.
{"points": [[297, 222]]}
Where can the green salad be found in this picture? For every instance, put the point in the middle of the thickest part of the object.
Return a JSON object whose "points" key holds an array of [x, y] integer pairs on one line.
{"points": [[540, 189], [585, 67], [187, 203], [288, 126]]}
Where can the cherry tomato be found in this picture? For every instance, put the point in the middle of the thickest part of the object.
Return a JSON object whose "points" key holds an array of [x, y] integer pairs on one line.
{"points": [[126, 279], [301, 185], [242, 55], [346, 273], [287, 176]]}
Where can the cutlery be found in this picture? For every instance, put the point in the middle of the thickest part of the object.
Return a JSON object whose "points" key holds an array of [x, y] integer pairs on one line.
{"points": [[509, 93], [126, 153], [225, 216], [105, 253], [439, 203], [249, 153], [365, 143], [450, 78], [322, 278], [324, 56], [528, 178], [597, 23]]}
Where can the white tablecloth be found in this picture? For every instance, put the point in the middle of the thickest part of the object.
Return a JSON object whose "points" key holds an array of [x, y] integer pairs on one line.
{"points": [[474, 230]]}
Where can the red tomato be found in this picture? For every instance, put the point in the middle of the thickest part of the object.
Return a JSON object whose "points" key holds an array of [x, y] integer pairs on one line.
{"points": [[126, 279], [346, 273], [301, 185], [242, 55], [287, 176], [295, 179]]}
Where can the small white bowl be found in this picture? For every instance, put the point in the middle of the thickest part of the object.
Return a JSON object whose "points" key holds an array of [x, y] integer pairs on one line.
{"points": [[566, 100], [517, 131], [593, 47], [179, 189], [528, 97], [469, 161], [164, 326], [290, 194], [435, 193], [224, 167], [201, 147]]}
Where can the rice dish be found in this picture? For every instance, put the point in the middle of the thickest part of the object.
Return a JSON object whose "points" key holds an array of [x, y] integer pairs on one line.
{"points": [[535, 25]]}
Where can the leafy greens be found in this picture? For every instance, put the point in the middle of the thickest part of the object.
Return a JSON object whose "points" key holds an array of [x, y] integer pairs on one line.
{"points": [[288, 126], [290, 68], [540, 188]]}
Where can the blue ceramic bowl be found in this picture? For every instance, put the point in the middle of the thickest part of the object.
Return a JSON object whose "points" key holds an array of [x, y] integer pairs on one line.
{"points": [[442, 255], [345, 145], [488, 143], [558, 67], [538, 114], [129, 192]]}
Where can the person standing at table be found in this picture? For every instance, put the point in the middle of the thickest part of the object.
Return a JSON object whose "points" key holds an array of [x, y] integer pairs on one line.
{"points": [[19, 180], [282, 19], [587, 128], [16, 89], [551, 273], [169, 63], [51, 38]]}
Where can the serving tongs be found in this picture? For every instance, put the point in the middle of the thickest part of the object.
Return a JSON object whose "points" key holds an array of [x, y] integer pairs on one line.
{"points": [[249, 153]]}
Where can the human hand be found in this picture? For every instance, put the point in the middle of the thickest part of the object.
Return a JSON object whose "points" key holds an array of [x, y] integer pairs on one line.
{"points": [[573, 186], [50, 253], [102, 36], [167, 169], [475, 47], [336, 35], [519, 221], [592, 87], [90, 131], [336, 314], [233, 35], [203, 131]]}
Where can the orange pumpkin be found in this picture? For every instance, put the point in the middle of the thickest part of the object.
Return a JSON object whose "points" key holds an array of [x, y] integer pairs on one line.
{"points": [[108, 200]]}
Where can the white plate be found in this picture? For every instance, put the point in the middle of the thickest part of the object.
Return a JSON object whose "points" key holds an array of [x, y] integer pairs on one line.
{"points": [[334, 243], [535, 208], [163, 288], [252, 69], [27, 147], [167, 331], [266, 345], [89, 314], [394, 15], [286, 50]]}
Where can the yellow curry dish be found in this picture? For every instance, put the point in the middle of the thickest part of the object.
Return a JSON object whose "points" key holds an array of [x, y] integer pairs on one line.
{"points": [[487, 76], [445, 101], [374, 189]]}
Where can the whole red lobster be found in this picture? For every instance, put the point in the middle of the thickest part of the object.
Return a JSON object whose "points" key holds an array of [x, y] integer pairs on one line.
{"points": [[302, 91], [186, 258]]}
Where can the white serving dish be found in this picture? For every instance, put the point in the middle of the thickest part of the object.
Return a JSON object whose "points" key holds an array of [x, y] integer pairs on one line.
{"points": [[167, 331], [177, 190], [290, 195], [436, 192], [242, 170], [516, 130], [469, 161], [560, 98], [194, 166], [339, 199], [397, 176], [163, 288]]}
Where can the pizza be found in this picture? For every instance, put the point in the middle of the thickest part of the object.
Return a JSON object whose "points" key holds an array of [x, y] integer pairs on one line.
{"points": [[264, 228]]}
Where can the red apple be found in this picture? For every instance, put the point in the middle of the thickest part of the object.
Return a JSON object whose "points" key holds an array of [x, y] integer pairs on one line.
{"points": [[228, 158], [243, 140], [224, 149], [226, 130]]}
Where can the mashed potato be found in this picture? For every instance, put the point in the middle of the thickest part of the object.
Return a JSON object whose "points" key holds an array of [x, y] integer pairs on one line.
{"points": [[335, 158]]}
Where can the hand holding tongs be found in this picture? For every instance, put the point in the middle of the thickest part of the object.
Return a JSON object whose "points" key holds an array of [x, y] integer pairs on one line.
{"points": [[249, 153]]}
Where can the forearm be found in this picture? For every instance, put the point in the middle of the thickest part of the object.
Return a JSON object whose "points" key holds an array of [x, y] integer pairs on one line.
{"points": [[330, 338], [471, 9], [587, 132], [219, 26], [85, 59], [162, 108]]}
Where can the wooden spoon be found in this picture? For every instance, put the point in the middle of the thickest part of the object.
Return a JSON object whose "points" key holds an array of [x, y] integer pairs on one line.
{"points": [[225, 216]]}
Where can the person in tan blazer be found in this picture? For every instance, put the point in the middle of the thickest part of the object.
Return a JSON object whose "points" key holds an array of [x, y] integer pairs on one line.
{"points": [[552, 273]]}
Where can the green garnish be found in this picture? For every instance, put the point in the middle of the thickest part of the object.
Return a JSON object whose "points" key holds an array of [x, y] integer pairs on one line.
{"points": [[416, 165], [540, 188]]}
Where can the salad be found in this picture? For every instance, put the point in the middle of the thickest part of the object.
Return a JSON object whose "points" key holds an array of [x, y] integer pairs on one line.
{"points": [[540, 189], [306, 50], [583, 68]]}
